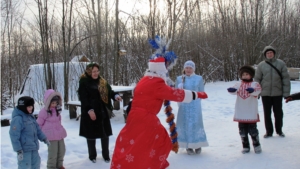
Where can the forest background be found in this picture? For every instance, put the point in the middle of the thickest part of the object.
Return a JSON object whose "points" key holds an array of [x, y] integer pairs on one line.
{"points": [[218, 35]]}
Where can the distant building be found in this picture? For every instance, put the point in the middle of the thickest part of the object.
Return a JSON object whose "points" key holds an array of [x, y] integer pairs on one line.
{"points": [[80, 58]]}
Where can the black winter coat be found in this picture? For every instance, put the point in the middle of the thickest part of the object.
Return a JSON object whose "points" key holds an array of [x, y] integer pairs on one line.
{"points": [[90, 99]]}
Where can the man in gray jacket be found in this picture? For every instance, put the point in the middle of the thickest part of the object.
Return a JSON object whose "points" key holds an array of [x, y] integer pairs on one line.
{"points": [[275, 85]]}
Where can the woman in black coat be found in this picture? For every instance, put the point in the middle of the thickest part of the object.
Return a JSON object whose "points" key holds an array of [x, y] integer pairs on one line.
{"points": [[95, 95]]}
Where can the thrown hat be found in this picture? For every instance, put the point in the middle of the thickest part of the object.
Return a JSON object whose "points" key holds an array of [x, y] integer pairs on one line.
{"points": [[190, 64], [24, 102], [157, 65], [248, 69]]}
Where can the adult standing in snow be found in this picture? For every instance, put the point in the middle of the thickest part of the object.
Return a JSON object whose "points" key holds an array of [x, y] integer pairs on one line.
{"points": [[95, 95], [274, 79], [246, 108], [190, 128], [144, 142]]}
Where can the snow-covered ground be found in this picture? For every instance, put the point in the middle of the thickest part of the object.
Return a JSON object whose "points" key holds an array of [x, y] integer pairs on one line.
{"points": [[222, 133]]}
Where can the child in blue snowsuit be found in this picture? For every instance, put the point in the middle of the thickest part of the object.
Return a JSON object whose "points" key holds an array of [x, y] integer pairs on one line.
{"points": [[24, 134]]}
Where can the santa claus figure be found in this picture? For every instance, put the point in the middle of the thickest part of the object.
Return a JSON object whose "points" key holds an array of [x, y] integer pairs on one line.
{"points": [[144, 142]]}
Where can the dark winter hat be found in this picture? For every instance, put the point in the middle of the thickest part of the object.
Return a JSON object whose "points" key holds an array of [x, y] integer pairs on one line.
{"points": [[24, 102], [248, 69], [90, 67], [268, 48]]}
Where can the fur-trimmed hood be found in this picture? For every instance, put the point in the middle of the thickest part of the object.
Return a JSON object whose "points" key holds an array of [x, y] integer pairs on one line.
{"points": [[268, 48], [49, 94]]}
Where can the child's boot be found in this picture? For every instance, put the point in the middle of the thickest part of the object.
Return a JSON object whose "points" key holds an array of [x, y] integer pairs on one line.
{"points": [[246, 145], [257, 149], [256, 144]]}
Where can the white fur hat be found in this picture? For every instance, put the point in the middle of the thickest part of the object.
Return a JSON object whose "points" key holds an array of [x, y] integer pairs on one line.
{"points": [[190, 64], [158, 65]]}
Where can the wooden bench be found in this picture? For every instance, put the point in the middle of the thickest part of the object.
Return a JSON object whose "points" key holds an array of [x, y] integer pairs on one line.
{"points": [[124, 91], [6, 118], [72, 106]]}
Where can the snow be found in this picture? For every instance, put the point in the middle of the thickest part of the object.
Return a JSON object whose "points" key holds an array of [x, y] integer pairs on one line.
{"points": [[222, 133], [122, 88]]}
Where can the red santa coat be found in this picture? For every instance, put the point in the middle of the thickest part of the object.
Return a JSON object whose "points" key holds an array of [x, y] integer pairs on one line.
{"points": [[144, 143]]}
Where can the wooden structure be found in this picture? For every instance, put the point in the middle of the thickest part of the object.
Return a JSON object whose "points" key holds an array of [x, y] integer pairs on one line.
{"points": [[124, 91]]}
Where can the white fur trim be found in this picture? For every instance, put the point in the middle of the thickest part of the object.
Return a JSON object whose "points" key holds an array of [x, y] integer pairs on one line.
{"points": [[156, 74], [157, 67], [188, 96], [47, 103], [190, 64]]}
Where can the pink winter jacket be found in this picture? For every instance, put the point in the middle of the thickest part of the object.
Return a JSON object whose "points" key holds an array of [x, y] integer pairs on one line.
{"points": [[51, 124]]}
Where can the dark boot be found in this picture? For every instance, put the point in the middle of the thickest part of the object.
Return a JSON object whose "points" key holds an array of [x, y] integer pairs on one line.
{"points": [[255, 138], [243, 130]]}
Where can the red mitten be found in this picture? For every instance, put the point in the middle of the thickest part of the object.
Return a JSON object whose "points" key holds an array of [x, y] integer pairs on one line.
{"points": [[202, 95]]}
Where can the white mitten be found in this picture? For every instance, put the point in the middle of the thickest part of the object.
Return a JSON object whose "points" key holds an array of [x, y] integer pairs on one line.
{"points": [[180, 86]]}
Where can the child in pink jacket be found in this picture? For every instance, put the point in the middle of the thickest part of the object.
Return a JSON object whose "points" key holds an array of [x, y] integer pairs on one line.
{"points": [[49, 120]]}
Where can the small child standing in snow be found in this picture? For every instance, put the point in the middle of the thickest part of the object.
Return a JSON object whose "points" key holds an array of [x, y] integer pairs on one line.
{"points": [[24, 134], [49, 120], [246, 108]]}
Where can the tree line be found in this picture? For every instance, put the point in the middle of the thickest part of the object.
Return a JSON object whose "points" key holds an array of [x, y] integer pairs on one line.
{"points": [[218, 35]]}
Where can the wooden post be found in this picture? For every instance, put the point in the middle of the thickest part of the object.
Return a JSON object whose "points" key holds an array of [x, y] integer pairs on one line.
{"points": [[126, 98], [72, 111], [5, 122], [116, 105]]}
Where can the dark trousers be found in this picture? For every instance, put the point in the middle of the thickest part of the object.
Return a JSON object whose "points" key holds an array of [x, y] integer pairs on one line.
{"points": [[275, 103], [92, 148], [251, 129]]}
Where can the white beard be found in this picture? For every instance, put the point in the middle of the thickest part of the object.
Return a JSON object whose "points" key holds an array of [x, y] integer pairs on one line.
{"points": [[151, 74]]}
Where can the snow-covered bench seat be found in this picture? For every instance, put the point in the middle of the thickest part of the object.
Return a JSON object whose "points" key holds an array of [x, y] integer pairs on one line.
{"points": [[124, 91]]}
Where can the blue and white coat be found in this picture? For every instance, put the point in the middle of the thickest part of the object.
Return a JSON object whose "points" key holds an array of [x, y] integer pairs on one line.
{"points": [[190, 128]]}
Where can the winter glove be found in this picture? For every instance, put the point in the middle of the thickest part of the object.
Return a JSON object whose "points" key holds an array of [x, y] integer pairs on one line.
{"points": [[180, 86], [231, 89], [202, 95], [46, 141], [287, 99], [58, 108], [250, 90], [20, 155]]}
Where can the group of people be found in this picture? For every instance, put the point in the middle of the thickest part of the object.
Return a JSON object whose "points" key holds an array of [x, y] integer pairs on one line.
{"points": [[25, 131], [144, 141]]}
